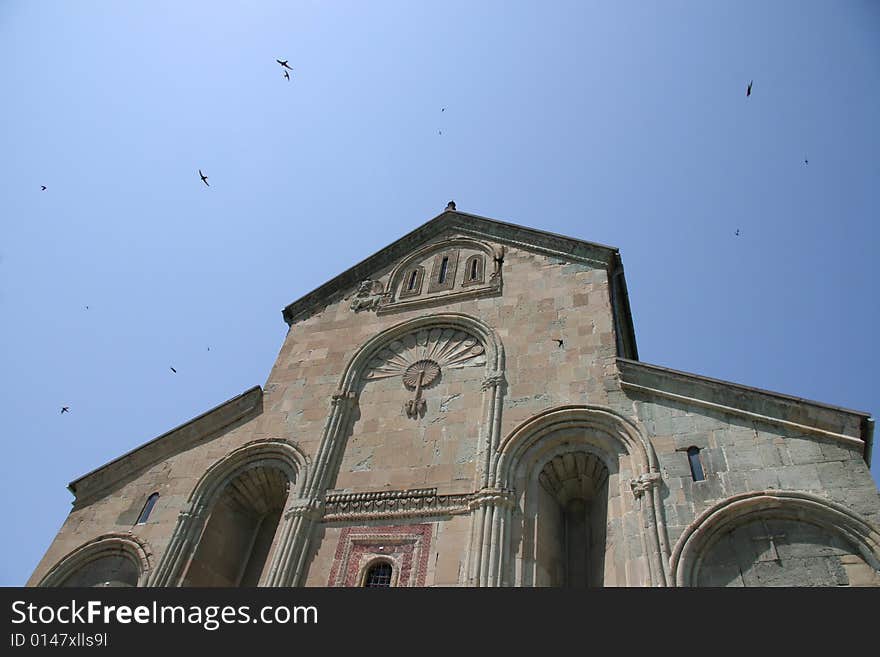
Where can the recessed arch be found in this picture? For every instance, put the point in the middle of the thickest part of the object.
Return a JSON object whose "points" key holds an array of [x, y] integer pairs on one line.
{"points": [[701, 535], [283, 454], [239, 480], [620, 458], [122, 556]]}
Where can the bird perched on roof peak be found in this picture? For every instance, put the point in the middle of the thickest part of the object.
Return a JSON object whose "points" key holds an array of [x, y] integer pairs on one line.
{"points": [[450, 205]]}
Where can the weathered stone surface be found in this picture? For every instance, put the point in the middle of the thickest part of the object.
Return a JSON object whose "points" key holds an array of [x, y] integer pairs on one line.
{"points": [[441, 476]]}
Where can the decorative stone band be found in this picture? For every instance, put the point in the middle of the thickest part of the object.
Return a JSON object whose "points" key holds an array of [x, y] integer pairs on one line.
{"points": [[394, 504], [492, 496], [342, 398], [643, 483], [493, 380], [310, 509]]}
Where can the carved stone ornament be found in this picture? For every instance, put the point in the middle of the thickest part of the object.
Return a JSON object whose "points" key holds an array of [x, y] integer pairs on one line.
{"points": [[498, 259], [341, 397], [643, 483], [498, 497], [393, 504], [420, 357], [312, 509], [369, 296], [492, 381], [420, 374]]}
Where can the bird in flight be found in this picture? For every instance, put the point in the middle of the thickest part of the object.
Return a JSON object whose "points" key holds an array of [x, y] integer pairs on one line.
{"points": [[559, 341], [287, 75], [87, 307], [806, 161], [65, 409], [443, 109], [204, 177], [174, 370], [283, 63], [737, 232], [749, 89], [42, 188]]}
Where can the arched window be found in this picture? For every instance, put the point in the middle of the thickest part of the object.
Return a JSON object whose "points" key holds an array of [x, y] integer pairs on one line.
{"points": [[443, 271], [148, 507], [411, 284], [473, 270], [444, 268], [379, 575], [696, 466]]}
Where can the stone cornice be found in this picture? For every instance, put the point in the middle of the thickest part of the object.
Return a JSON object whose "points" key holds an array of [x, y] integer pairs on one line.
{"points": [[794, 413], [468, 224], [101, 479]]}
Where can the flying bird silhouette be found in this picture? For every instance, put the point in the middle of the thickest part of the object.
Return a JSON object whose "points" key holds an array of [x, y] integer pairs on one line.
{"points": [[749, 89], [737, 232], [443, 109], [283, 63], [65, 409], [42, 188], [174, 370], [204, 177], [806, 161], [287, 75], [559, 341], [87, 307]]}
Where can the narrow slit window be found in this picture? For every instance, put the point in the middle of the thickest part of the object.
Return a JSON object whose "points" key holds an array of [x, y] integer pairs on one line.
{"points": [[474, 271], [444, 266], [379, 575], [696, 466], [148, 507]]}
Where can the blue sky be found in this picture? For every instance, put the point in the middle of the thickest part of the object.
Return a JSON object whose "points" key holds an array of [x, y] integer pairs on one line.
{"points": [[624, 123]]}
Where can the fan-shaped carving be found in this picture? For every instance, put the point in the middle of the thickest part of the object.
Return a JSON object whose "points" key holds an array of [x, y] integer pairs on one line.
{"points": [[575, 475], [257, 491], [448, 348], [421, 374]]}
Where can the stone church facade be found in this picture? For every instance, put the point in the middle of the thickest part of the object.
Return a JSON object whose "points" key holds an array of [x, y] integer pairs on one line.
{"points": [[466, 407]]}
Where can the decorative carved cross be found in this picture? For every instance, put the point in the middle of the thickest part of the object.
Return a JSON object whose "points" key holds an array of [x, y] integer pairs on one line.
{"points": [[772, 553], [415, 405], [418, 375]]}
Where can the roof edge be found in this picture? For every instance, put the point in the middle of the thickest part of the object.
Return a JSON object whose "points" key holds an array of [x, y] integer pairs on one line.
{"points": [[446, 219], [150, 452], [851, 426]]}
